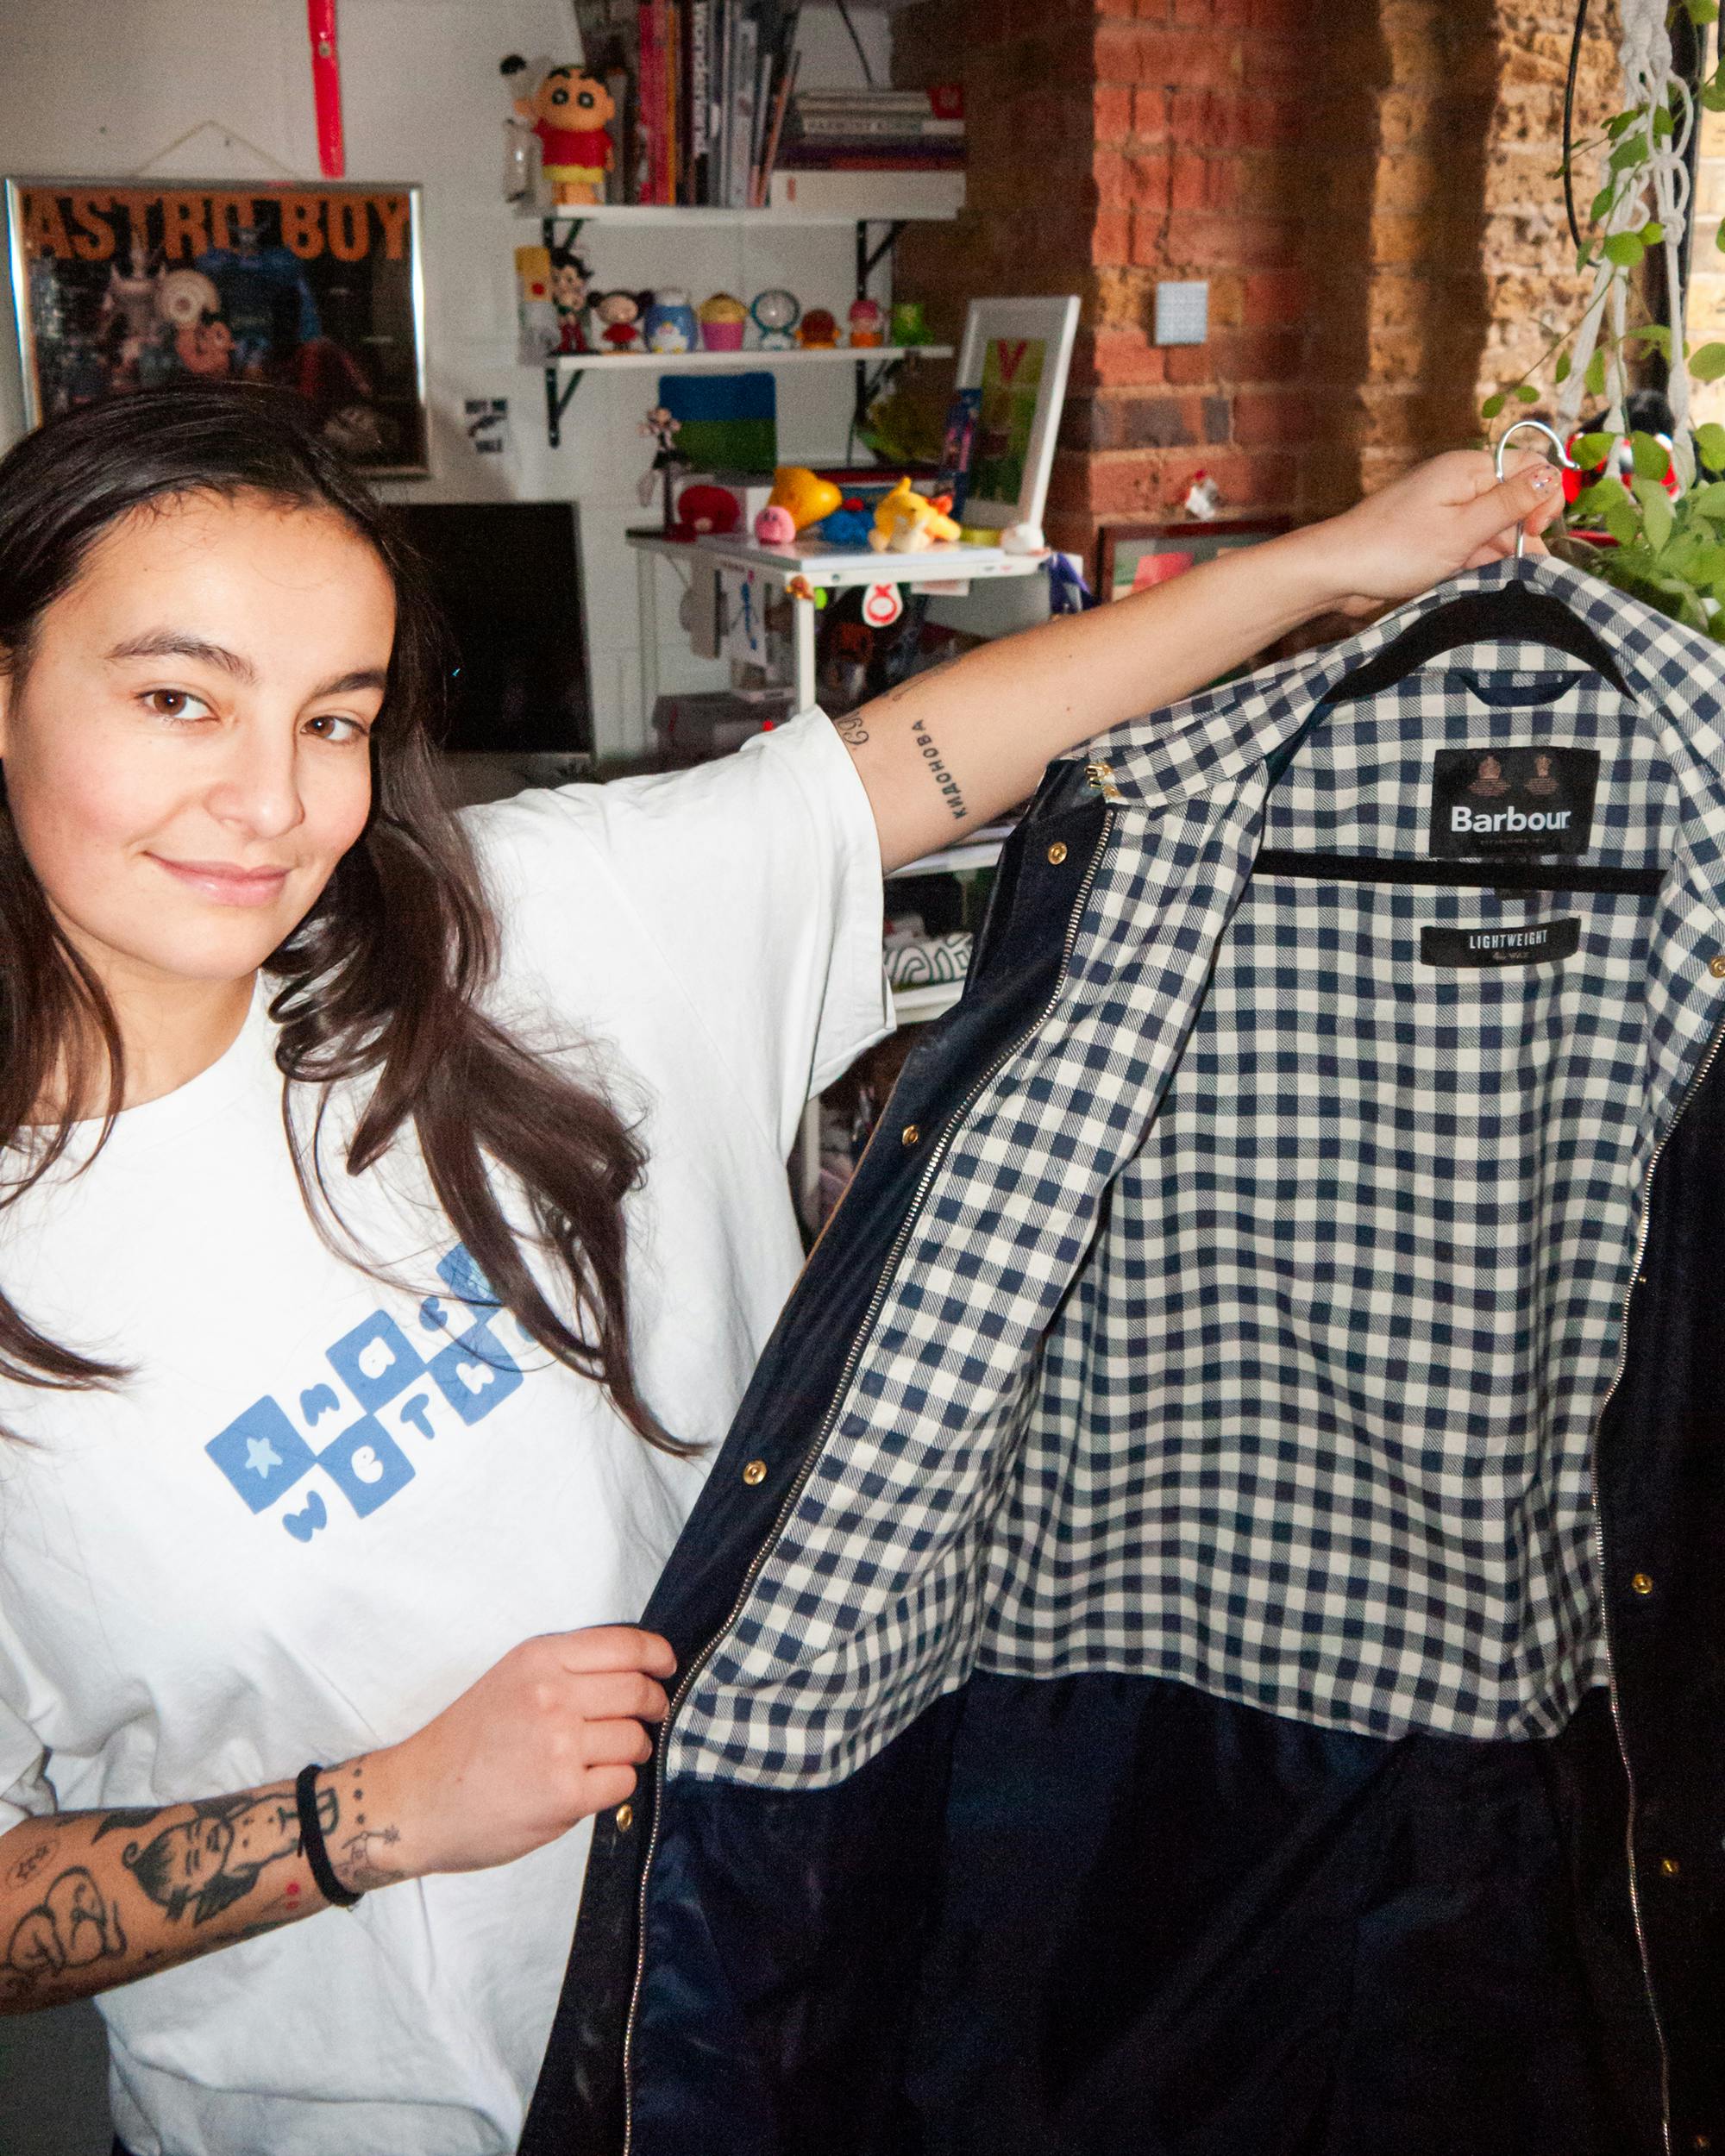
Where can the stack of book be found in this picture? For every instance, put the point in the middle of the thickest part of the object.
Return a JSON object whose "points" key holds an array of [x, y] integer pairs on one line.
{"points": [[702, 89], [875, 130]]}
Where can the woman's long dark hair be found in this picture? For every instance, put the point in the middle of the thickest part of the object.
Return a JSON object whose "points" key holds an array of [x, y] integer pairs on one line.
{"points": [[381, 981]]}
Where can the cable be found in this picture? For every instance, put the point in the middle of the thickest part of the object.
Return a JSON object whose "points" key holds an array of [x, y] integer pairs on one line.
{"points": [[867, 72], [1569, 121]]}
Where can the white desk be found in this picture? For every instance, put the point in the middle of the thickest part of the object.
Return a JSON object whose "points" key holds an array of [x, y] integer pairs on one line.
{"points": [[950, 568]]}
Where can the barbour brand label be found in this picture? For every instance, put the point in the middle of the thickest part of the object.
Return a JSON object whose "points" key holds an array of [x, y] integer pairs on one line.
{"points": [[1500, 946], [1487, 803]]}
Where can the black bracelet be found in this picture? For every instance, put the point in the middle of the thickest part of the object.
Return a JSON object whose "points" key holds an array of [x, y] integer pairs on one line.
{"points": [[311, 1842]]}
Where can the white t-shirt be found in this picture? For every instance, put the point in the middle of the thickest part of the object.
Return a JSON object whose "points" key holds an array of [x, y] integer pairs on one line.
{"points": [[322, 1507]]}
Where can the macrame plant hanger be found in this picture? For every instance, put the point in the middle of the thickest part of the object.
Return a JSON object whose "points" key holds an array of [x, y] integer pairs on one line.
{"points": [[1650, 81]]}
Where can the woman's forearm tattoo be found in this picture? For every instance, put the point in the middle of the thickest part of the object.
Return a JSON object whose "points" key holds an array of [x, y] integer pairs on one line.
{"points": [[938, 770]]}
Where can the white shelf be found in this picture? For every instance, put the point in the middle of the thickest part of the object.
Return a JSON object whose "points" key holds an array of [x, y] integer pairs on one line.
{"points": [[672, 215], [684, 362]]}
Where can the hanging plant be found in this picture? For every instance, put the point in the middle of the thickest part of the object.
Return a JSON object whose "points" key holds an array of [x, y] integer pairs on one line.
{"points": [[1668, 547]]}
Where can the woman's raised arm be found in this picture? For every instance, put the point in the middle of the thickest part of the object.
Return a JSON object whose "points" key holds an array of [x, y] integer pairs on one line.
{"points": [[949, 749]]}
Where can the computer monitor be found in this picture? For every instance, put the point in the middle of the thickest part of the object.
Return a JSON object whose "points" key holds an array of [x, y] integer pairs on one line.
{"points": [[508, 576]]}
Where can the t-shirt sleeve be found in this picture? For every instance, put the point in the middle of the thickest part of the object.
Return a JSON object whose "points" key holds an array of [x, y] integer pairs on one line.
{"points": [[755, 878], [24, 1789]]}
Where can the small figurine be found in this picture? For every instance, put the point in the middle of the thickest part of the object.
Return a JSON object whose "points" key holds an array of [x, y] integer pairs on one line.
{"points": [[722, 317], [670, 324], [569, 112], [818, 331], [776, 313], [847, 525], [517, 138], [806, 496], [907, 523], [1203, 498], [661, 427], [619, 318], [910, 323], [775, 526], [868, 322], [536, 313], [571, 281]]}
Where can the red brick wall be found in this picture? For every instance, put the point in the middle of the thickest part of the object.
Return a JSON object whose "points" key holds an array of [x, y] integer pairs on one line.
{"points": [[1366, 185]]}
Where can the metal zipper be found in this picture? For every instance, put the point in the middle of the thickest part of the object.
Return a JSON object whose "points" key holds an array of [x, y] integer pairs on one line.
{"points": [[812, 1458], [1643, 1230]]}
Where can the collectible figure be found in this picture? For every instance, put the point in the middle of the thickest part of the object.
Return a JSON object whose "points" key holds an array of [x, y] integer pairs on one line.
{"points": [[910, 323], [775, 526], [907, 523], [775, 313], [704, 508], [670, 323], [868, 322], [1203, 498], [619, 319], [569, 112], [847, 525], [517, 137], [661, 428], [722, 317], [804, 494], [570, 279], [819, 330], [536, 313]]}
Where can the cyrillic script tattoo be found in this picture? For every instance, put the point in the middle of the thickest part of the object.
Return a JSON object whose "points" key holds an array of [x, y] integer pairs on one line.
{"points": [[215, 1858], [937, 771]]}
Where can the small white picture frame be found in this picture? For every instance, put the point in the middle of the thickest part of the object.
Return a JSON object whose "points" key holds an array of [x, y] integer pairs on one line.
{"points": [[1016, 352]]}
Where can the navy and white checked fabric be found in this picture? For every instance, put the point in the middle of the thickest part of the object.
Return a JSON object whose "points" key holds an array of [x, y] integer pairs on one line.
{"points": [[1257, 1317]]}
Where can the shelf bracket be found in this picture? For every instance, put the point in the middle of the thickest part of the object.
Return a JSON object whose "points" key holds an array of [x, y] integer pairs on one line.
{"points": [[557, 397], [571, 218], [870, 260]]}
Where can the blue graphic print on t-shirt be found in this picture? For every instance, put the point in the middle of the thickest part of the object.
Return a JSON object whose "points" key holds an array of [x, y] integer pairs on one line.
{"points": [[264, 1455]]}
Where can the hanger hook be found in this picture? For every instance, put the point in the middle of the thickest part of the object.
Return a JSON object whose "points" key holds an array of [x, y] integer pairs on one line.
{"points": [[1552, 436]]}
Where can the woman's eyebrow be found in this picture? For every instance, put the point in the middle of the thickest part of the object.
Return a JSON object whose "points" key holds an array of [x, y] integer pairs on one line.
{"points": [[360, 678], [180, 643]]}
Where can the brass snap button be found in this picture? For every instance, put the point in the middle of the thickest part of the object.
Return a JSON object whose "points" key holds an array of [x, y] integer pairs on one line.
{"points": [[1642, 1584], [911, 1134], [625, 1816], [755, 1474], [1717, 967], [1057, 854]]}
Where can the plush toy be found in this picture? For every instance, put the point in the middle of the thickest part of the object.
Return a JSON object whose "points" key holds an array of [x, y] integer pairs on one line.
{"points": [[847, 526], [568, 112], [907, 523], [618, 315], [818, 331], [702, 508], [804, 494], [775, 526]]}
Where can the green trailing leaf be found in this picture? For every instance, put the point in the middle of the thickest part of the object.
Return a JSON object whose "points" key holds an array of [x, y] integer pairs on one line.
{"points": [[1630, 151], [1655, 335], [1593, 448], [1702, 12], [1594, 500], [1657, 519], [1625, 249], [1710, 446], [1593, 380], [1525, 393], [1709, 363], [1493, 405], [1602, 202], [1707, 501], [1619, 121], [1620, 519], [1560, 372], [1652, 459], [1653, 232]]}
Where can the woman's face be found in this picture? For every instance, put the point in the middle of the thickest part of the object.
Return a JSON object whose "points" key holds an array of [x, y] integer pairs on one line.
{"points": [[185, 754]]}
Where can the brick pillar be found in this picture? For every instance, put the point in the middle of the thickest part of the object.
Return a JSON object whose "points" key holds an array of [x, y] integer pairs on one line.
{"points": [[1366, 185]]}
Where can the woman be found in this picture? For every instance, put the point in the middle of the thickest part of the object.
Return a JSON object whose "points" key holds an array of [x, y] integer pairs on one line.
{"points": [[395, 1205]]}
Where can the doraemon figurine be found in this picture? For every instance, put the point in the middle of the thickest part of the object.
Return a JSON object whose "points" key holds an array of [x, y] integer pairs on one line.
{"points": [[776, 313], [670, 324]]}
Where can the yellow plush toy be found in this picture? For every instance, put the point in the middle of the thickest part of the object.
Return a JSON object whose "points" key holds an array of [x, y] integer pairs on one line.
{"points": [[906, 521], [803, 495]]}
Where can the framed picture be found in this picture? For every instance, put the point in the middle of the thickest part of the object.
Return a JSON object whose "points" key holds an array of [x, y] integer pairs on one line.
{"points": [[122, 286], [1015, 352], [1131, 556]]}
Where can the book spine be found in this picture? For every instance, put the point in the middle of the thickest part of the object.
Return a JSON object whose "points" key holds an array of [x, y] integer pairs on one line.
{"points": [[743, 113], [816, 124], [700, 96], [769, 156], [646, 105]]}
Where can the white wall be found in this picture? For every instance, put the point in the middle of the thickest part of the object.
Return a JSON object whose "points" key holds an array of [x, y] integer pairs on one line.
{"points": [[106, 88]]}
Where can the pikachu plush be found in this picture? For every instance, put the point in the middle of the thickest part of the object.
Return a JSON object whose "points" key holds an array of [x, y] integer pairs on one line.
{"points": [[906, 521]]}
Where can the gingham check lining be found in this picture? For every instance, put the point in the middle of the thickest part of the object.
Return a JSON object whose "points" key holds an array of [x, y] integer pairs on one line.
{"points": [[1332, 1460]]}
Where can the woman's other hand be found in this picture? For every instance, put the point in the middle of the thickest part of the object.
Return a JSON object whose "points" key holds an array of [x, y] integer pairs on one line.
{"points": [[549, 1735]]}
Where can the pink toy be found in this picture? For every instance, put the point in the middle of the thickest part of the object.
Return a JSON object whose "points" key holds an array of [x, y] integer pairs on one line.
{"points": [[774, 527], [868, 322]]}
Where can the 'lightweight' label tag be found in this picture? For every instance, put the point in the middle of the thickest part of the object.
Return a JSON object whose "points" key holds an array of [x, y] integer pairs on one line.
{"points": [[1502, 946], [1487, 803]]}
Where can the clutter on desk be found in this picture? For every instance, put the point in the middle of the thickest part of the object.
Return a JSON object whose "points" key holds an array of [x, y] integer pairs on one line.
{"points": [[775, 526], [958, 448], [661, 428], [695, 726], [921, 961], [775, 313], [723, 319], [1203, 498], [908, 522], [804, 494], [705, 510]]}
